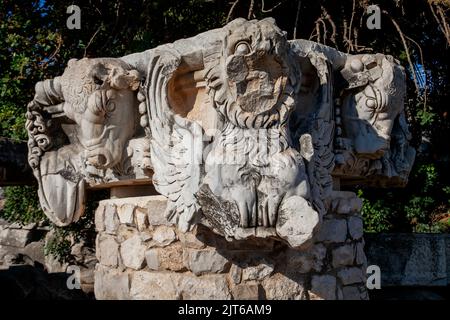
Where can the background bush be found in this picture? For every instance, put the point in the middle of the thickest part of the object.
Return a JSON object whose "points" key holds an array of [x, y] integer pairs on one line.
{"points": [[22, 205]]}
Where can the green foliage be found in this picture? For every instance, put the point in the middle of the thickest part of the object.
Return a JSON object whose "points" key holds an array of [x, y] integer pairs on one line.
{"points": [[425, 117], [447, 192], [59, 245], [418, 209], [22, 205], [376, 217], [426, 173], [423, 207], [437, 227], [24, 46], [63, 238]]}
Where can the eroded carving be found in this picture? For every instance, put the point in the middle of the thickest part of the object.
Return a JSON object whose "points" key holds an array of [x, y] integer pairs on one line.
{"points": [[243, 130], [79, 125]]}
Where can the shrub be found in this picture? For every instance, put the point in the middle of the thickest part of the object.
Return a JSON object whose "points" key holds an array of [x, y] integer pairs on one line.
{"points": [[22, 205]]}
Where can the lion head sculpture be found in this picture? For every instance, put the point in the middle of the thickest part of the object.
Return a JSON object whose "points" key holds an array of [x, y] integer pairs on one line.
{"points": [[246, 176]]}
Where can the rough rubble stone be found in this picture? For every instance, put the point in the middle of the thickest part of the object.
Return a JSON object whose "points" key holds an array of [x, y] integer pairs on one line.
{"points": [[339, 293], [146, 235], [125, 232], [235, 274], [3, 251], [333, 230], [259, 272], [126, 213], [100, 218], [53, 265], [154, 286], [351, 293], [359, 253], [152, 259], [281, 287], [111, 284], [161, 285], [107, 250], [247, 291], [190, 240], [15, 237], [300, 261], [156, 209], [168, 258], [132, 252], [205, 261], [164, 236], [355, 227], [350, 203], [343, 255], [141, 220], [29, 226], [87, 275], [324, 286], [208, 287], [318, 253], [351, 276], [111, 219]]}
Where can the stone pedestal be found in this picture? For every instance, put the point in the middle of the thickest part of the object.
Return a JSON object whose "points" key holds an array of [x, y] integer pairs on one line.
{"points": [[142, 256]]}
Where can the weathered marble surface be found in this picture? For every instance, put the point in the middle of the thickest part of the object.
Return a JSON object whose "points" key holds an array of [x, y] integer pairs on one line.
{"points": [[247, 137], [80, 128], [242, 130]]}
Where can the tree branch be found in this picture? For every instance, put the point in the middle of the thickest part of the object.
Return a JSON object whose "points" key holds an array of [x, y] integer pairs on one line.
{"points": [[250, 9], [230, 13], [296, 18]]}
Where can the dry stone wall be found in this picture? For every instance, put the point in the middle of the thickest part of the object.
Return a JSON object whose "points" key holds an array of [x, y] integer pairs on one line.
{"points": [[143, 256]]}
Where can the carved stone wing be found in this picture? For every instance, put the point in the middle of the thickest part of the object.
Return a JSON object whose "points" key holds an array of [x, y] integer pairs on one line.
{"points": [[321, 164], [175, 142], [320, 126]]}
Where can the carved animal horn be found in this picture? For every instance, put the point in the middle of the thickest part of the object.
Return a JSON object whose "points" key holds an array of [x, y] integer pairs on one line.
{"points": [[117, 77], [49, 92], [125, 79]]}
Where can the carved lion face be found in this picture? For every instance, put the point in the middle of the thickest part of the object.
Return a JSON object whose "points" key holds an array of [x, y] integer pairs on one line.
{"points": [[256, 73]]}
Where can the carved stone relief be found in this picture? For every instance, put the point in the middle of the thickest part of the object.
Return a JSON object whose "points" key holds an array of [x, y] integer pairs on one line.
{"points": [[79, 126], [242, 130]]}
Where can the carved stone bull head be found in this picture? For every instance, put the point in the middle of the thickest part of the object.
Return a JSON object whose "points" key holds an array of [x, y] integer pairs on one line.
{"points": [[79, 124]]}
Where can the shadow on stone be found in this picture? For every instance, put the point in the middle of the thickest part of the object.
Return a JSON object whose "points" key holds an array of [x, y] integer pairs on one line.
{"points": [[33, 283]]}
